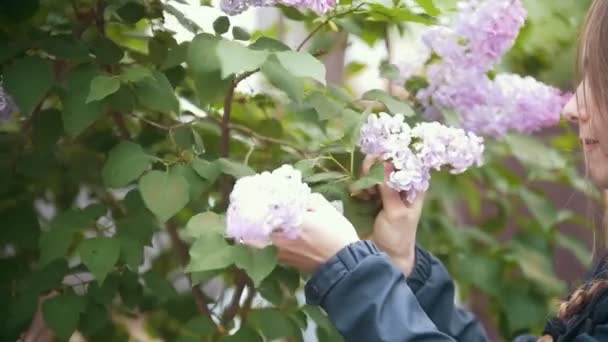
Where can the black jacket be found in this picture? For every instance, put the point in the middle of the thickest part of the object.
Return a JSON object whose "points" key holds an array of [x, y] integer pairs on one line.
{"points": [[369, 299]]}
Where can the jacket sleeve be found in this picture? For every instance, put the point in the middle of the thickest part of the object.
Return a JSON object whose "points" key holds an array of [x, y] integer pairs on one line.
{"points": [[434, 289], [368, 299]]}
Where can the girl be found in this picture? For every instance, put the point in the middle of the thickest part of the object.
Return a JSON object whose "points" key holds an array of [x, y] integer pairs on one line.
{"points": [[388, 289]]}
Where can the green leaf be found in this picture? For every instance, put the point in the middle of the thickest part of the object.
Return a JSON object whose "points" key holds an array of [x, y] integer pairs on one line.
{"points": [[206, 169], [54, 245], [106, 51], [389, 71], [578, 248], [47, 278], [236, 58], [325, 106], [268, 44], [239, 33], [67, 47], [104, 294], [165, 194], [56, 242], [205, 65], [302, 64], [272, 323], [392, 104], [28, 80], [201, 54], [136, 73], [131, 250], [235, 169], [396, 14], [99, 255], [157, 94], [134, 232], [258, 263], [204, 223], [282, 79], [159, 285], [196, 184], [375, 176], [126, 162], [543, 210], [62, 314], [324, 177], [429, 7], [536, 267], [221, 25], [131, 12], [102, 87], [77, 113], [534, 153], [210, 252], [245, 334]]}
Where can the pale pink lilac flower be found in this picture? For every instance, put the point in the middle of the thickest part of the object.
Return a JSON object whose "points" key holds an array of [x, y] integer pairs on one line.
{"points": [[410, 177], [489, 28], [384, 133], [414, 152], [533, 104], [482, 32], [267, 202], [437, 145]]}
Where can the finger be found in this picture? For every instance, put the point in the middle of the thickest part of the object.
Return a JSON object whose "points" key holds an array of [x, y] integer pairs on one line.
{"points": [[318, 202], [391, 200], [366, 166]]}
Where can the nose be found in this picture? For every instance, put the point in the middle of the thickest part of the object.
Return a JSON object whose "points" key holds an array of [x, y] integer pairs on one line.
{"points": [[574, 111]]}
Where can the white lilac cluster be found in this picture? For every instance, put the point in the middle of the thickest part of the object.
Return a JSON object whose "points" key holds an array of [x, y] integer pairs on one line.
{"points": [[266, 202], [482, 32], [414, 152], [234, 7]]}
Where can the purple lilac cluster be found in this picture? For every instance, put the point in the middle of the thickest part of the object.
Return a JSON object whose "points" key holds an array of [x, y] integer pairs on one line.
{"points": [[7, 105], [234, 7], [414, 152], [483, 31], [264, 203]]}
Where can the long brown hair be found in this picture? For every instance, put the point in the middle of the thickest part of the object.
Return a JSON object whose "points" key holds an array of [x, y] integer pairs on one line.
{"points": [[592, 67], [592, 71]]}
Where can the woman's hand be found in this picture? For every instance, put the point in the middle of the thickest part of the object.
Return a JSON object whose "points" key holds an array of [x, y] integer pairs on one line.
{"points": [[323, 233], [396, 223]]}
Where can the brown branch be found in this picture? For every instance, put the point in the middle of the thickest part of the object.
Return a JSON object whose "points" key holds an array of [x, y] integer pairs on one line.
{"points": [[233, 307], [181, 249]]}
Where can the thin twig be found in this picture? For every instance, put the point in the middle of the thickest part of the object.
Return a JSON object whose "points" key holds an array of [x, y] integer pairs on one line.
{"points": [[262, 138], [322, 24], [181, 249], [159, 125], [233, 307]]}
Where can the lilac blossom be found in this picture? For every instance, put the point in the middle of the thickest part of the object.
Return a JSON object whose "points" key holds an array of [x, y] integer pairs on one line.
{"points": [[384, 133], [266, 203], [482, 32], [415, 152]]}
